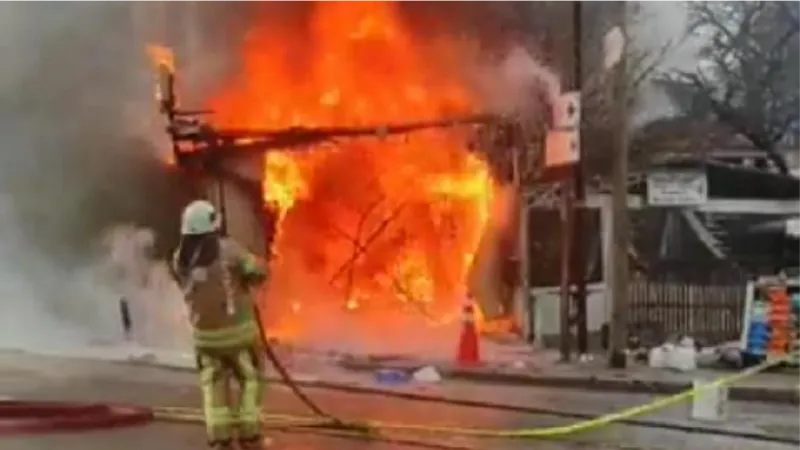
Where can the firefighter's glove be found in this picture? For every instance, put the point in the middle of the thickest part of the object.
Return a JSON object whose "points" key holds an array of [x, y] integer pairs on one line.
{"points": [[252, 271]]}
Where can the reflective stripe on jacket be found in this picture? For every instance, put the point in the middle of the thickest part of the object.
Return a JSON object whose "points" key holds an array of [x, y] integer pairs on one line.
{"points": [[241, 334]]}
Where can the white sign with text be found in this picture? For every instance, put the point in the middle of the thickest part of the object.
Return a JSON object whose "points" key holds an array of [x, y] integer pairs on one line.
{"points": [[686, 188]]}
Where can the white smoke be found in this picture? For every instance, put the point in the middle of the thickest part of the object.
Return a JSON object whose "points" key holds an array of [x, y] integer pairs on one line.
{"points": [[78, 156], [31, 296], [515, 85], [158, 315], [657, 24]]}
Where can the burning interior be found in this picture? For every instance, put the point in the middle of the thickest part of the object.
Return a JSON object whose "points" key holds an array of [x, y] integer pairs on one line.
{"points": [[380, 236]]}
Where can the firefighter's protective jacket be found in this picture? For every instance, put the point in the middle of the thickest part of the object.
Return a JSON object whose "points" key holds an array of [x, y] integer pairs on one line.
{"points": [[220, 300]]}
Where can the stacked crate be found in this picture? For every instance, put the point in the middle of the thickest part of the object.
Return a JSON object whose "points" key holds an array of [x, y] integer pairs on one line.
{"points": [[771, 327], [779, 318]]}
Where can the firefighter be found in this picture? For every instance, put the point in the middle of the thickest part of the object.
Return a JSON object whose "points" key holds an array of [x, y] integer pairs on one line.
{"points": [[216, 275]]}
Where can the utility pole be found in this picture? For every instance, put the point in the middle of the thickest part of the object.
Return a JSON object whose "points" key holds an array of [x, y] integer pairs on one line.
{"points": [[565, 324], [619, 207], [573, 254], [524, 305], [578, 229]]}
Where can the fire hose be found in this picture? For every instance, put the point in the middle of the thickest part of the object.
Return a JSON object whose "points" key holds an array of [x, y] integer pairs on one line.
{"points": [[324, 420], [327, 419], [283, 421]]}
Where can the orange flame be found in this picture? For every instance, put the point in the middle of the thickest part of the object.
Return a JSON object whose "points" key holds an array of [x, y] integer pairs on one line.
{"points": [[423, 199], [161, 56]]}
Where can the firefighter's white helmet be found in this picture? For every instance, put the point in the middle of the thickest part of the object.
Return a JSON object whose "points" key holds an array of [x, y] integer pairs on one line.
{"points": [[199, 217]]}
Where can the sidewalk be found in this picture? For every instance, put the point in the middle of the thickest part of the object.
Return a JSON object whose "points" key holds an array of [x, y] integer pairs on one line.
{"points": [[543, 370]]}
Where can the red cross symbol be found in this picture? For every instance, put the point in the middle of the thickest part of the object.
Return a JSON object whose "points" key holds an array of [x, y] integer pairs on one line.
{"points": [[570, 110]]}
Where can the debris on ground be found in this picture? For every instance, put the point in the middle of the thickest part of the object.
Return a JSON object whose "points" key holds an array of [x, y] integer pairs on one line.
{"points": [[392, 376], [427, 374], [681, 356]]}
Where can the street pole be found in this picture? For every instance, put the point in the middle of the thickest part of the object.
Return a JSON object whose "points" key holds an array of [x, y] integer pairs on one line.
{"points": [[565, 325], [578, 230], [619, 210], [573, 252], [524, 306]]}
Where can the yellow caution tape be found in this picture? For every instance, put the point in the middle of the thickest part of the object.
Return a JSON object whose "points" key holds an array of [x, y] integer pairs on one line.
{"points": [[289, 421]]}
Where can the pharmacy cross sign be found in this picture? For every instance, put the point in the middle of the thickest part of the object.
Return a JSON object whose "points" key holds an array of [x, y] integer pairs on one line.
{"points": [[562, 146], [566, 111], [570, 111]]}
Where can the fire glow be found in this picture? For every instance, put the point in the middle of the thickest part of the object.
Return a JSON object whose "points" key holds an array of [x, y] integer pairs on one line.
{"points": [[374, 227]]}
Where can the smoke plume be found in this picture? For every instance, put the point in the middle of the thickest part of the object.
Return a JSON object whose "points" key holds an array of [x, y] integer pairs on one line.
{"points": [[518, 84], [79, 156], [157, 310]]}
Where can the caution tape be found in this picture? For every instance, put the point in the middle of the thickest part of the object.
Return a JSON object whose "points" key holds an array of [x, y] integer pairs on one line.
{"points": [[292, 421]]}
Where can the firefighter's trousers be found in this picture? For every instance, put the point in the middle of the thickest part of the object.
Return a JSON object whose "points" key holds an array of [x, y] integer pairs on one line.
{"points": [[224, 414]]}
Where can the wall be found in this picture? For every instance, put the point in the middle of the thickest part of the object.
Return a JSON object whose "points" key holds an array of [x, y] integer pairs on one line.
{"points": [[546, 326]]}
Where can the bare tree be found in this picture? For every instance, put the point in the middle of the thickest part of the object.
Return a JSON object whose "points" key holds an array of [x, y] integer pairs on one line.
{"points": [[748, 75]]}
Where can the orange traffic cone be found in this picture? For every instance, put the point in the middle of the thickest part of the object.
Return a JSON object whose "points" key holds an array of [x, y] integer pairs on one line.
{"points": [[468, 346]]}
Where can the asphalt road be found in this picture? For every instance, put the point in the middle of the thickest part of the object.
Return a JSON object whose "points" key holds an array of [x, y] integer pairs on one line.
{"points": [[36, 378]]}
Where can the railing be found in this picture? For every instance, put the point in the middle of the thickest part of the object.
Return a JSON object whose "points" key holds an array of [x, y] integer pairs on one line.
{"points": [[710, 313]]}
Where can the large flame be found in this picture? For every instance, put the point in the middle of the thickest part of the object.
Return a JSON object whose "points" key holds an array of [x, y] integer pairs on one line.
{"points": [[418, 203]]}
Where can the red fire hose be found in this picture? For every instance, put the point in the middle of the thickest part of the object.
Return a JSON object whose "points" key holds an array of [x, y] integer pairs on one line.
{"points": [[28, 417]]}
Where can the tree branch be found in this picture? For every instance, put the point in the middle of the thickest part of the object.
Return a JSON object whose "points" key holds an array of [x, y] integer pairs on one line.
{"points": [[752, 86]]}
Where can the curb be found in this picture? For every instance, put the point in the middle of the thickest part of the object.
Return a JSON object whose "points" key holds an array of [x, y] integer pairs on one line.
{"points": [[24, 417], [784, 396], [780, 396]]}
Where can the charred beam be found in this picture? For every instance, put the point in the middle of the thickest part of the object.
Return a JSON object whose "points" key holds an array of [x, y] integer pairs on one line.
{"points": [[193, 137], [206, 142]]}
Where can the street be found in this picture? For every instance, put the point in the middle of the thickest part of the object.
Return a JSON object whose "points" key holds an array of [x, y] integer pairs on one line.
{"points": [[25, 377]]}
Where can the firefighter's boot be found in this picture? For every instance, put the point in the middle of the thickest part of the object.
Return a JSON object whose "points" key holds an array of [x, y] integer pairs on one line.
{"points": [[225, 444], [254, 443]]}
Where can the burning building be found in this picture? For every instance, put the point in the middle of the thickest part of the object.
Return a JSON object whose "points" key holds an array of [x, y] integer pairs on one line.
{"points": [[364, 182]]}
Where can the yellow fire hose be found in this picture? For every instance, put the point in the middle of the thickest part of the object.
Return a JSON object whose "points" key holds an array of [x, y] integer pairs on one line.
{"points": [[284, 421]]}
